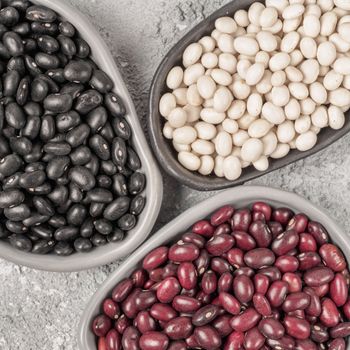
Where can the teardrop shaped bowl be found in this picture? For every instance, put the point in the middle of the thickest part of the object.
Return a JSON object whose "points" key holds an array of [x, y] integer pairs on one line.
{"points": [[163, 149]]}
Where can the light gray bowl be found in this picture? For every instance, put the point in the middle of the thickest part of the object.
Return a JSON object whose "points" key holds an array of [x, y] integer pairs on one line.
{"points": [[239, 197], [154, 188]]}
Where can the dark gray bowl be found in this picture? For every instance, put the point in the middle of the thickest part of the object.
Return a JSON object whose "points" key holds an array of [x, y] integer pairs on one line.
{"points": [[154, 188], [163, 148], [238, 197]]}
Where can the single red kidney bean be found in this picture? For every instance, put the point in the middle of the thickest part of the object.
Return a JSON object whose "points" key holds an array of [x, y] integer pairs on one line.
{"points": [[155, 258], [333, 257], [346, 309], [177, 345], [191, 342], [156, 275], [229, 303], [245, 270], [122, 290], [168, 289], [337, 344], [261, 233], [298, 223], [248, 319], [220, 265], [306, 344], [122, 324], [319, 333], [185, 304], [111, 309], [318, 232], [235, 257], [209, 282], [101, 325], [145, 322], [129, 306], [139, 277], [154, 341], [234, 341], [222, 325], [330, 315], [179, 328], [225, 282], [145, 299], [204, 298], [315, 308], [276, 228], [339, 290], [170, 270], [307, 243], [287, 263], [202, 262], [259, 257], [297, 328], [244, 241], [261, 283], [187, 275], [253, 339], [308, 260], [195, 239], [222, 215], [184, 252], [101, 343], [342, 330], [241, 220], [322, 290], [318, 276], [113, 340], [220, 244], [205, 315], [256, 216], [285, 343], [207, 337], [282, 215], [130, 339], [296, 301], [272, 272], [262, 305], [243, 288], [203, 228], [264, 208], [277, 293], [223, 228], [285, 242], [271, 328], [163, 312]]}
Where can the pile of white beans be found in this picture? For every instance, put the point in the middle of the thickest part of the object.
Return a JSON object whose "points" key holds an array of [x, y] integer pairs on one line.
{"points": [[265, 82]]}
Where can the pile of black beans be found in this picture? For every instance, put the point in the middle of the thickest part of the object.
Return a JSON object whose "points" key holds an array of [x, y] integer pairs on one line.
{"points": [[69, 177]]}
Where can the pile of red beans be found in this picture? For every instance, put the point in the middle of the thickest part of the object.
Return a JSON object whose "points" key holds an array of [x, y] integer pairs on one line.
{"points": [[259, 278]]}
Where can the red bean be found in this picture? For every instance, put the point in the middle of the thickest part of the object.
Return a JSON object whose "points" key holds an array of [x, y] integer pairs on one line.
{"points": [[222, 325], [139, 278], [179, 328], [294, 282], [163, 312], [330, 315], [297, 328], [285, 343], [222, 229], [318, 276], [333, 257], [314, 308], [209, 282], [168, 289], [296, 301], [203, 228], [308, 260], [229, 303], [113, 340], [111, 308], [220, 244], [220, 265], [130, 339], [222, 215], [271, 328], [277, 293], [122, 290], [287, 263], [235, 257], [244, 241], [185, 304], [145, 299], [184, 252], [177, 345], [234, 341], [154, 341], [207, 337], [241, 220], [319, 333], [285, 242], [204, 298], [225, 282], [187, 275], [254, 339], [298, 223], [262, 305], [259, 257], [145, 322], [205, 315], [195, 239], [337, 344], [122, 324], [264, 208], [246, 320], [191, 342], [342, 330], [170, 270], [322, 290], [245, 270], [306, 344], [202, 262], [346, 309], [261, 233], [338, 290], [273, 273], [318, 232], [129, 306], [261, 283], [307, 243], [155, 258], [243, 288], [276, 228], [101, 325]]}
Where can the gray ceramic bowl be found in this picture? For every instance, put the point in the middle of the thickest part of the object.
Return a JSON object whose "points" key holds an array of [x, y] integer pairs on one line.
{"points": [[239, 197], [154, 188], [163, 148]]}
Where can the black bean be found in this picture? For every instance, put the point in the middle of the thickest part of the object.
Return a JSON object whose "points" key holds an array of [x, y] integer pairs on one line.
{"points": [[57, 221], [98, 240], [100, 147], [115, 105], [22, 28], [35, 220], [59, 195], [32, 127], [23, 91], [53, 87], [127, 222], [32, 179], [67, 45], [75, 193], [33, 109], [30, 45], [99, 195], [63, 249], [96, 209], [40, 14], [103, 226], [10, 164], [35, 166], [4, 147], [108, 167], [42, 190], [78, 135], [119, 152], [11, 82], [67, 121], [56, 75], [107, 132], [117, 208], [58, 148], [73, 89], [87, 228], [104, 181], [81, 155], [58, 103], [48, 128], [20, 5], [137, 204], [43, 206], [66, 233], [48, 44], [77, 72], [10, 198], [43, 247], [57, 167], [39, 90], [76, 215], [43, 231], [93, 165], [44, 28], [83, 177], [47, 61], [31, 66], [9, 132], [83, 48], [133, 161], [137, 183], [63, 208], [11, 182], [121, 128], [9, 16], [4, 53], [87, 101], [21, 145], [16, 64], [82, 245], [15, 227], [97, 118], [116, 236], [17, 213], [3, 30], [67, 29], [21, 242], [15, 116], [101, 81], [13, 43], [119, 185]]}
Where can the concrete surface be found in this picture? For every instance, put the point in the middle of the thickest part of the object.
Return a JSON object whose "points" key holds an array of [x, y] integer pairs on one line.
{"points": [[40, 311]]}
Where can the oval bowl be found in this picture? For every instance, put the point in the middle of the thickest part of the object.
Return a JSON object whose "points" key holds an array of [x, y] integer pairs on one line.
{"points": [[154, 189], [163, 149], [239, 197]]}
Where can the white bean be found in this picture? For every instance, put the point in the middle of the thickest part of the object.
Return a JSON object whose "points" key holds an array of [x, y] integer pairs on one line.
{"points": [[174, 78], [232, 168], [342, 65], [237, 109], [259, 128], [280, 96], [273, 114], [255, 74], [292, 109], [252, 150], [278, 78], [242, 68], [219, 166], [310, 69], [298, 90], [222, 99], [262, 164], [341, 45], [290, 42], [241, 18], [339, 97], [308, 47], [168, 131], [181, 96], [210, 115], [267, 41], [344, 31], [291, 25], [293, 11], [226, 25], [325, 5], [209, 60], [319, 117], [296, 57], [207, 165], [240, 137], [254, 13], [269, 17], [326, 53], [281, 151], [208, 43], [189, 160], [228, 63], [294, 74], [177, 118], [270, 143], [166, 104], [262, 57], [265, 86], [307, 106], [192, 54], [181, 148], [203, 147], [276, 28], [279, 61], [254, 104], [311, 26], [246, 45], [230, 126], [240, 90], [185, 135], [328, 23], [303, 124], [245, 121], [206, 86], [306, 141], [205, 131], [318, 93], [336, 117], [286, 132], [221, 77], [193, 96], [346, 82], [225, 43], [332, 80], [193, 73], [343, 4]]}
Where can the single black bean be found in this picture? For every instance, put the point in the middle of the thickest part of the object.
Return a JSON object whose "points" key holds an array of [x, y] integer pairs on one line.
{"points": [[121, 128], [15, 227], [137, 205], [66, 29], [108, 167], [22, 28], [56, 75], [58, 148], [40, 14], [97, 118], [137, 183], [35, 220], [133, 161], [67, 45], [35, 155], [83, 48], [87, 228], [103, 226], [21, 242], [93, 165], [57, 167], [43, 231], [43, 247], [21, 145], [116, 236], [42, 190], [63, 249], [75, 193], [78, 135], [119, 185], [9, 16], [15, 116], [127, 222], [81, 155], [83, 177], [73, 89], [59, 195], [66, 233], [58, 103], [77, 72], [10, 198], [101, 81], [48, 44], [43, 206], [13, 43], [16, 64], [11, 182], [47, 61], [39, 90], [11, 81], [76, 215], [18, 213], [48, 128], [115, 105], [67, 121], [117, 208], [100, 147], [31, 66], [32, 179], [82, 245], [119, 151], [107, 132], [35, 166], [104, 181], [99, 195], [53, 87], [98, 240], [4, 147], [33, 109], [44, 28], [23, 91], [10, 164], [57, 221], [96, 209], [87, 101]]}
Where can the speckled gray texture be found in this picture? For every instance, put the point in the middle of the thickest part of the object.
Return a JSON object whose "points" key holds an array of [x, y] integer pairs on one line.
{"points": [[40, 311]]}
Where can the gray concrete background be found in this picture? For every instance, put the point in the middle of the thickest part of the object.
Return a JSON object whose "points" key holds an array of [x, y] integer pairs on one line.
{"points": [[39, 310]]}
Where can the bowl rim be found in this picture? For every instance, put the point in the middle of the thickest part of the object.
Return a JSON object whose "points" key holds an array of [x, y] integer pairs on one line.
{"points": [[242, 195], [163, 149], [154, 188]]}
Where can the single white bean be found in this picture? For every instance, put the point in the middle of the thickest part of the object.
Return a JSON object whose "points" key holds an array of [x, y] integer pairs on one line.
{"points": [[246, 45], [296, 57], [292, 109], [209, 60], [262, 57], [280, 96], [203, 147], [175, 77], [241, 18], [336, 117], [237, 109], [325, 5], [181, 148], [254, 13], [306, 141], [192, 54], [219, 166], [193, 73], [270, 143], [206, 86], [344, 31], [240, 90], [308, 47], [223, 144], [177, 117], [342, 65], [225, 43], [281, 151], [181, 96], [318, 93], [228, 62], [310, 69], [189, 160], [291, 25], [168, 131], [259, 128], [207, 165], [230, 126], [254, 104], [286, 132], [252, 150], [312, 26], [226, 25], [341, 45], [185, 135], [193, 96], [293, 11], [232, 168], [279, 61], [294, 74], [267, 41], [240, 137], [273, 114], [332, 80], [319, 117], [328, 23], [221, 77], [166, 104], [269, 17], [303, 124], [307, 106], [222, 99], [278, 78], [208, 43], [205, 131], [339, 97], [255, 74], [298, 90], [210, 115], [262, 164], [326, 53], [290, 42]]}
